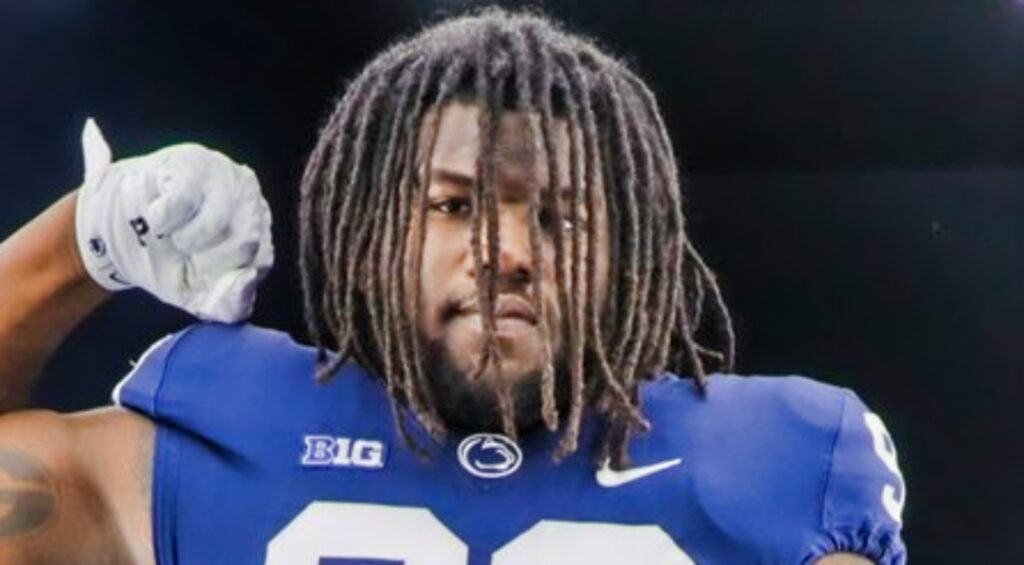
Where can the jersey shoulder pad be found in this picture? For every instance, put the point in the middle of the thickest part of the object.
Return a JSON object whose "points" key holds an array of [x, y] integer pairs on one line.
{"points": [[210, 379], [206, 361], [811, 445]]}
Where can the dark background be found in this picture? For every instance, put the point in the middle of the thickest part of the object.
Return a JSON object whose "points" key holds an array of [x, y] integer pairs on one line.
{"points": [[856, 177]]}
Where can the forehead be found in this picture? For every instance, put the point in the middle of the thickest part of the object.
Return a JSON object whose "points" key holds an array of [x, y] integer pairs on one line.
{"points": [[519, 151]]}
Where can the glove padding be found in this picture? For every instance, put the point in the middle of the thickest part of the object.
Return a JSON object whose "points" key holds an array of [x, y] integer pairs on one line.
{"points": [[185, 223]]}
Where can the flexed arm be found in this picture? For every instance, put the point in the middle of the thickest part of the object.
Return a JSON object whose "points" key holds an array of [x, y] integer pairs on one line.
{"points": [[187, 225]]}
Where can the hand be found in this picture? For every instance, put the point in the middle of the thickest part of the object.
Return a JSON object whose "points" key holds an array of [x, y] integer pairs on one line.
{"points": [[185, 223]]}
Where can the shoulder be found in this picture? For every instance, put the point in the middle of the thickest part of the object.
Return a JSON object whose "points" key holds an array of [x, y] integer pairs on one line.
{"points": [[755, 441], [211, 379], [739, 421], [234, 353], [745, 387], [750, 402], [222, 342]]}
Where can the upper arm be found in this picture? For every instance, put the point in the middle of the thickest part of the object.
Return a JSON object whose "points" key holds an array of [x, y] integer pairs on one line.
{"points": [[841, 479], [844, 559], [70, 487], [864, 494]]}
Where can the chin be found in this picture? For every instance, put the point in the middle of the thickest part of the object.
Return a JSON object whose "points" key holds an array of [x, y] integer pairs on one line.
{"points": [[468, 401], [511, 372], [520, 350]]}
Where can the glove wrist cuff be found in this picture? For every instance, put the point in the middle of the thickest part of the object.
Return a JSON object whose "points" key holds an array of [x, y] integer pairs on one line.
{"points": [[93, 247]]}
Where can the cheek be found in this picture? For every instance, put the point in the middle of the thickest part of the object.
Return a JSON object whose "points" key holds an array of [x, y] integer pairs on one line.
{"points": [[438, 275], [429, 323], [463, 342]]}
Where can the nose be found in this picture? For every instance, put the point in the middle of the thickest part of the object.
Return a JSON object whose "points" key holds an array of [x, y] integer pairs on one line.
{"points": [[514, 263]]}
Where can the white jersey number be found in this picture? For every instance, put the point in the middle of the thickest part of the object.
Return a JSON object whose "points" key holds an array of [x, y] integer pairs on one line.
{"points": [[414, 536], [885, 449]]}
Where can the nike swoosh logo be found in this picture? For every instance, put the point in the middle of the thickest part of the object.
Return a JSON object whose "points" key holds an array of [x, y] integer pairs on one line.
{"points": [[610, 478]]}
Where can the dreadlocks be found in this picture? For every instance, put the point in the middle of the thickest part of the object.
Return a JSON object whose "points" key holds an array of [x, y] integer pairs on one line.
{"points": [[365, 179]]}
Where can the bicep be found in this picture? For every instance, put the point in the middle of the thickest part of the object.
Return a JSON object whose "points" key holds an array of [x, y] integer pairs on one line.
{"points": [[52, 508], [844, 559], [28, 498]]}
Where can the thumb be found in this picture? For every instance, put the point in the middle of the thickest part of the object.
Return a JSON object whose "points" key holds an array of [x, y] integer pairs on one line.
{"points": [[94, 149]]}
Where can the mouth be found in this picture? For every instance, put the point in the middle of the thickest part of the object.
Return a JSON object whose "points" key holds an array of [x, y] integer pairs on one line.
{"points": [[508, 309]]}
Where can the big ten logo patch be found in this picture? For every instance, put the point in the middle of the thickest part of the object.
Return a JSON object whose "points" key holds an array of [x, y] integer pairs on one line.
{"points": [[330, 451]]}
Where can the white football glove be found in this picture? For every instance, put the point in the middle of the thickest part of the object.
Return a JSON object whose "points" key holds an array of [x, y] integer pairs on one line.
{"points": [[185, 223]]}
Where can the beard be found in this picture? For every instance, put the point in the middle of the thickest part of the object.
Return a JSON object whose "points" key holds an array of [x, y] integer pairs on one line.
{"points": [[468, 406]]}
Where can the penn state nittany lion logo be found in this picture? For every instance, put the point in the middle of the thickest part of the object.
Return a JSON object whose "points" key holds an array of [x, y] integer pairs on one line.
{"points": [[490, 456]]}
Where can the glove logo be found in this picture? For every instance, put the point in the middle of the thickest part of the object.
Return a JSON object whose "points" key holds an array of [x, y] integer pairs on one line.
{"points": [[490, 456], [116, 277], [97, 247], [140, 227]]}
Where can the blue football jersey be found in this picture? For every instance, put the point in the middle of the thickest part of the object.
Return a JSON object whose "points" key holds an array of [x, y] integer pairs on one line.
{"points": [[256, 463]]}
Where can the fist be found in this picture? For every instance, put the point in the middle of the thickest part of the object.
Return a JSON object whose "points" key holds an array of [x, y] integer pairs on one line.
{"points": [[185, 223]]}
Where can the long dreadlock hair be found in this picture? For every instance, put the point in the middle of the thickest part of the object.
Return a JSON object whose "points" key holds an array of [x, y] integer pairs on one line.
{"points": [[365, 178]]}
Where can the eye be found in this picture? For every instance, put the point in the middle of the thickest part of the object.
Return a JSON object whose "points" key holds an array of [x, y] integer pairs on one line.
{"points": [[452, 206], [547, 221]]}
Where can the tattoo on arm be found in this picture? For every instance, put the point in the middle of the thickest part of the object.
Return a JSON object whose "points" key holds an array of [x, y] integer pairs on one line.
{"points": [[28, 496]]}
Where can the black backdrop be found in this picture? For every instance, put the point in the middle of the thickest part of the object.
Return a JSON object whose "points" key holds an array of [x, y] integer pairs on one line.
{"points": [[855, 174]]}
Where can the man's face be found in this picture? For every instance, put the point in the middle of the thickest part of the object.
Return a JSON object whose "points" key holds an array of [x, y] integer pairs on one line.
{"points": [[450, 318]]}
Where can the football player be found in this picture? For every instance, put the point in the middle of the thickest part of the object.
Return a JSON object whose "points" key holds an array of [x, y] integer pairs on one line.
{"points": [[514, 347]]}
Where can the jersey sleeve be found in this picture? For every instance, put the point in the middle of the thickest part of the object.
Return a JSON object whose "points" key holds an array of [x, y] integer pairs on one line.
{"points": [[139, 389], [864, 492], [182, 380]]}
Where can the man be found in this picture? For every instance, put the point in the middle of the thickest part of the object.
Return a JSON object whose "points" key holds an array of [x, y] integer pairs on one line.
{"points": [[496, 277]]}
